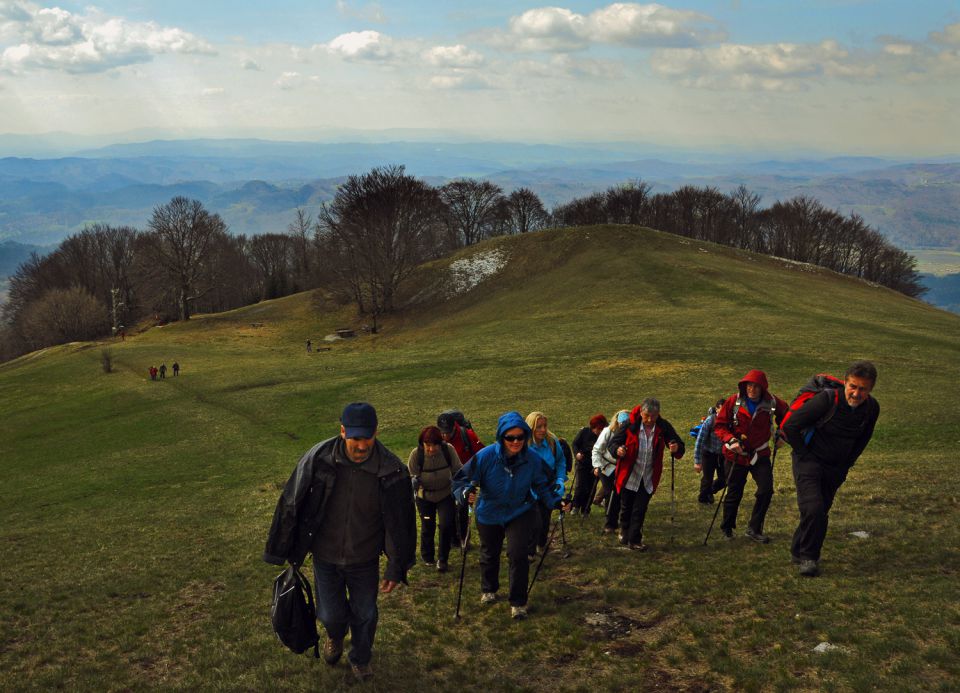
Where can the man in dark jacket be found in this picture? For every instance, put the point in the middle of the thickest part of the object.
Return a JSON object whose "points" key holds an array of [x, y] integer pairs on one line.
{"points": [[827, 433], [744, 425], [349, 500]]}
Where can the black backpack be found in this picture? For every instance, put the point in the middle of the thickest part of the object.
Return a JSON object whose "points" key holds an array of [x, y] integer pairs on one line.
{"points": [[464, 423], [293, 613]]}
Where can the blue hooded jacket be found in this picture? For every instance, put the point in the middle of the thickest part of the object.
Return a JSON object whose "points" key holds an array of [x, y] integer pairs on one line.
{"points": [[508, 487]]}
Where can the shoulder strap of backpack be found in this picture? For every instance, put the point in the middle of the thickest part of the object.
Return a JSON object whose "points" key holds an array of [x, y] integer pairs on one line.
{"points": [[446, 454], [736, 409], [421, 458]]}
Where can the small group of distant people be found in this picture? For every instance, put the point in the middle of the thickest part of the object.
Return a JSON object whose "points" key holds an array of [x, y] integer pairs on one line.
{"points": [[350, 499], [161, 372]]}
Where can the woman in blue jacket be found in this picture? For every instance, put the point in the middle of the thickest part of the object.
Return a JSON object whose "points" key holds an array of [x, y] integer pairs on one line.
{"points": [[510, 478], [547, 445]]}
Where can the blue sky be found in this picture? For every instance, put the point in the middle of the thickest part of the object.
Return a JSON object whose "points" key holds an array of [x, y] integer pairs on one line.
{"points": [[831, 76]]}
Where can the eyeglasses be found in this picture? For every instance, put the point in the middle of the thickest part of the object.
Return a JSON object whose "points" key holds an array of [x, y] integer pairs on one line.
{"points": [[514, 439]]}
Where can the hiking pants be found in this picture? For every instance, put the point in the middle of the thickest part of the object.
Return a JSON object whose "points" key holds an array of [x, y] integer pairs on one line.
{"points": [[583, 486], [762, 474], [347, 598], [430, 513], [633, 510], [613, 504], [518, 533], [712, 463], [542, 530], [817, 485]]}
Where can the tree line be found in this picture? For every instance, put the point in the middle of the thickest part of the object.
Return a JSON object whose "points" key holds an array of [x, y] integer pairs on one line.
{"points": [[369, 238]]}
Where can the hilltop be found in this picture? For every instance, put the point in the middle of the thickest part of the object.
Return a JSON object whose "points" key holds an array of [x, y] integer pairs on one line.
{"points": [[134, 512]]}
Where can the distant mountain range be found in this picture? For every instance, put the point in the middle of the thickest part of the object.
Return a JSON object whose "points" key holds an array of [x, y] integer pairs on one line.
{"points": [[256, 185]]}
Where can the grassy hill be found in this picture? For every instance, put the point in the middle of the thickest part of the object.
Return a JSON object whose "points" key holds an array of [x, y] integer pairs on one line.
{"points": [[133, 513]]}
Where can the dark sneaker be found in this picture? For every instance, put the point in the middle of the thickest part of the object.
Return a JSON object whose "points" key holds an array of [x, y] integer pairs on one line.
{"points": [[638, 547], [622, 539], [518, 612], [727, 534], [362, 672], [441, 566], [756, 536], [428, 561], [608, 530], [332, 650], [706, 500], [809, 568]]}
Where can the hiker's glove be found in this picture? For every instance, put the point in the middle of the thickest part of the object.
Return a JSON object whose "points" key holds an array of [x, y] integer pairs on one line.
{"points": [[417, 485], [559, 489]]}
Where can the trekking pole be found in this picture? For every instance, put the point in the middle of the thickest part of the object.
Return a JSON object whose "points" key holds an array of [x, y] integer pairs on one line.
{"points": [[720, 503], [463, 563], [546, 548], [563, 538], [673, 502]]}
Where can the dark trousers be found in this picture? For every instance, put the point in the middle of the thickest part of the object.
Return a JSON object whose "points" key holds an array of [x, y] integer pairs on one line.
{"points": [[762, 474], [613, 505], [461, 521], [431, 514], [518, 533], [633, 510], [817, 485], [347, 598], [583, 487], [712, 463], [542, 529]]}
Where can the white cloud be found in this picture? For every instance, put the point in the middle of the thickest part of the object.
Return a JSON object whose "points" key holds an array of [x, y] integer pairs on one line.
{"points": [[453, 56], [458, 80], [362, 46], [556, 29], [950, 36], [250, 64], [289, 80], [55, 39]]}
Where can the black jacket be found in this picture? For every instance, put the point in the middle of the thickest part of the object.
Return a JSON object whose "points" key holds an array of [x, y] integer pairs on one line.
{"points": [[300, 510], [841, 439]]}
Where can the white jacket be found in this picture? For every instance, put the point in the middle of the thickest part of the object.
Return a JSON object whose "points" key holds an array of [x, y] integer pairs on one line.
{"points": [[602, 459]]}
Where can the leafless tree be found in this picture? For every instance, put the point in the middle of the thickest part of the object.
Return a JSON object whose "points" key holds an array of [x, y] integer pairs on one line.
{"points": [[526, 211], [474, 209]]}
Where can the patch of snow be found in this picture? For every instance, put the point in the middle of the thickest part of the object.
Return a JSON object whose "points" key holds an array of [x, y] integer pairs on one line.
{"points": [[332, 338], [825, 647], [468, 272], [860, 534]]}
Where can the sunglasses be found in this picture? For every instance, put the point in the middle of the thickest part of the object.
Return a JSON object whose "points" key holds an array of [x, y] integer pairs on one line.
{"points": [[514, 439]]}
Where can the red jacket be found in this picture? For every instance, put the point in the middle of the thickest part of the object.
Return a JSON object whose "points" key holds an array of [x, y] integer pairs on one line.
{"points": [[663, 434], [756, 427], [465, 442]]}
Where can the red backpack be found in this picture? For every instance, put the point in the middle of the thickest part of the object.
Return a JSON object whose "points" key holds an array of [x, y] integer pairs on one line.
{"points": [[814, 386]]}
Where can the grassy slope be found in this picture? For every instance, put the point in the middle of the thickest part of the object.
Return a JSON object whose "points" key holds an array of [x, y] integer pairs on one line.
{"points": [[133, 513]]}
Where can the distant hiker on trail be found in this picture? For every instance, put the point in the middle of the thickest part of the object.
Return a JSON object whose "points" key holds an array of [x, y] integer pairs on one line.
{"points": [[163, 371], [153, 373], [827, 433], [708, 457], [584, 480], [456, 430], [432, 465], [348, 500], [744, 425], [309, 346], [547, 446], [510, 478], [604, 464], [176, 369], [639, 447]]}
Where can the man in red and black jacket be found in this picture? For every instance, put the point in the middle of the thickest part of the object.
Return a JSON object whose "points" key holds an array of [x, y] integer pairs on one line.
{"points": [[467, 444], [744, 425]]}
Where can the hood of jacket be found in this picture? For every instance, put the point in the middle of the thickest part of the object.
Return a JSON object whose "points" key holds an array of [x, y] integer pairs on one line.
{"points": [[511, 419], [755, 376]]}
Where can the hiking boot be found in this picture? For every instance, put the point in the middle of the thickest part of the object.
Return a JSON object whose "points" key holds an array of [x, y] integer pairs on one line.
{"points": [[428, 561], [622, 538], [363, 672], [706, 500], [441, 566], [756, 536], [638, 547], [518, 612], [531, 557], [608, 530], [332, 650], [727, 534], [488, 597], [809, 568]]}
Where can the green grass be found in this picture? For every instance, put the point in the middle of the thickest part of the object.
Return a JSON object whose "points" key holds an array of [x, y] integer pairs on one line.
{"points": [[134, 512]]}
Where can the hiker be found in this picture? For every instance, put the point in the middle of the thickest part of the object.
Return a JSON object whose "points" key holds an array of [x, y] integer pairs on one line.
{"points": [[639, 448], [348, 500], [432, 465], [604, 464], [510, 478], [467, 444], [176, 369], [163, 371], [547, 446], [744, 425], [153, 373], [827, 433], [708, 457], [584, 480], [309, 346]]}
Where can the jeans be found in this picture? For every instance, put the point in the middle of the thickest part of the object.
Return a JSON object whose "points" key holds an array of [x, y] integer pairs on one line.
{"points": [[762, 474], [431, 513], [519, 533], [633, 510], [347, 598]]}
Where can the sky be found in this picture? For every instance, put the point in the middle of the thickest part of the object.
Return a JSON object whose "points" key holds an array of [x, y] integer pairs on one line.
{"points": [[878, 77]]}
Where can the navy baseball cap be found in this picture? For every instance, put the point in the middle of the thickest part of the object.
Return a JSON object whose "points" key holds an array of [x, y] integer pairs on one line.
{"points": [[359, 420]]}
